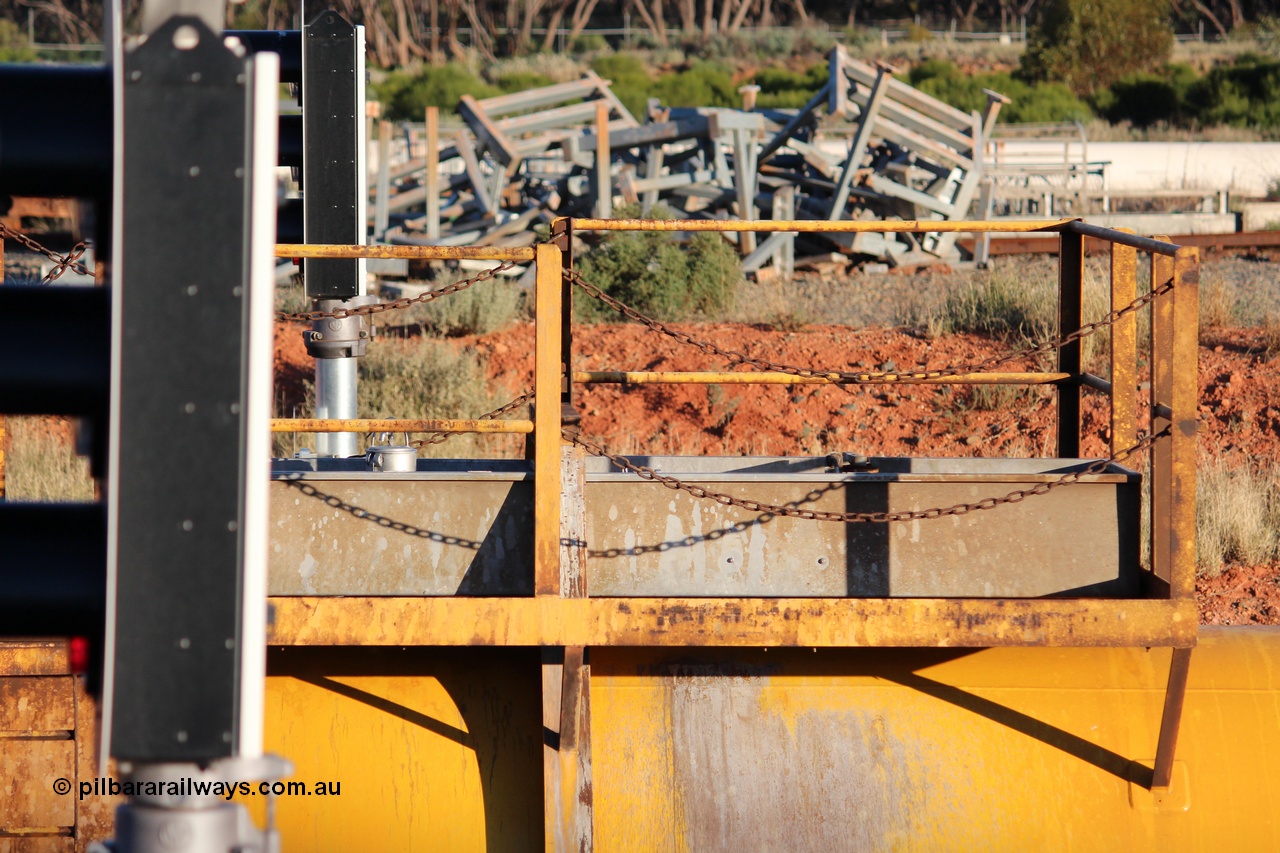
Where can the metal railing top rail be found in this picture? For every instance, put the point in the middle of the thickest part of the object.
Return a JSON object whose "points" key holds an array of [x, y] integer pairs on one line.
{"points": [[431, 253], [812, 226], [1145, 244]]}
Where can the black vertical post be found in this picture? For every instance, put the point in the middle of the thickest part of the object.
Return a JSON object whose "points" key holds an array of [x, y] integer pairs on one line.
{"points": [[331, 169], [177, 517], [1070, 317]]}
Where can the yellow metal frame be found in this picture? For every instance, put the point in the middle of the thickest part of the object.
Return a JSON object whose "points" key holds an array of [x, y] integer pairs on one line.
{"points": [[562, 619], [1165, 617]]}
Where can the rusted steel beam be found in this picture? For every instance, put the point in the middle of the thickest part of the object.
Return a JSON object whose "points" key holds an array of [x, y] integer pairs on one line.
{"points": [[799, 622], [1162, 378], [398, 425], [35, 657], [642, 377], [1171, 719], [434, 253], [1124, 348], [566, 754], [813, 226], [1184, 366]]}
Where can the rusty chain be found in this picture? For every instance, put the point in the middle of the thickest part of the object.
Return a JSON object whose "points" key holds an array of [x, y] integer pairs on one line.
{"points": [[62, 263], [646, 473], [379, 307], [864, 377], [441, 437], [381, 520]]}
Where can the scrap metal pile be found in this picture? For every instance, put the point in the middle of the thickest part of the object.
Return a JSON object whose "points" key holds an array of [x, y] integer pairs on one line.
{"points": [[887, 151]]}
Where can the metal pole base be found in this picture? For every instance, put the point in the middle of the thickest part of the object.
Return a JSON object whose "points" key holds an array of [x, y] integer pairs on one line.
{"points": [[179, 808], [336, 344]]}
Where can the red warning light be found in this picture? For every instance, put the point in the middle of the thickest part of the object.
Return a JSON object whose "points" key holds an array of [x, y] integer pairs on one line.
{"points": [[78, 654]]}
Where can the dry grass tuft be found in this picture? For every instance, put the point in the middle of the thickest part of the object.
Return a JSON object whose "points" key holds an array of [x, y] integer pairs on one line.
{"points": [[1237, 515], [432, 379], [1219, 306], [41, 463], [478, 310], [1271, 338]]}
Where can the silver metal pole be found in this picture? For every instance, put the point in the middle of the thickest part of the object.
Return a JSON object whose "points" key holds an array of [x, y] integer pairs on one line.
{"points": [[336, 398]]}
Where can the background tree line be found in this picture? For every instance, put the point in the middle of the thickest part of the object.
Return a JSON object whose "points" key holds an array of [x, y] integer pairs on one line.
{"points": [[404, 31]]}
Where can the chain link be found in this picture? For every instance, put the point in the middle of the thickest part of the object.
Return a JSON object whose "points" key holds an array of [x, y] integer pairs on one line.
{"points": [[441, 437], [379, 307], [646, 473], [62, 263], [864, 377]]}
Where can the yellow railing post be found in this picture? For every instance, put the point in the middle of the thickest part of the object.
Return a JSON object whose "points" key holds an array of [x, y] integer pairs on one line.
{"points": [[1124, 348], [1161, 395], [1184, 368], [548, 372]]}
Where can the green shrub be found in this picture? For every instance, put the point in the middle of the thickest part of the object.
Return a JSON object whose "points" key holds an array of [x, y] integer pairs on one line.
{"points": [[917, 33], [588, 43], [1089, 44], [1042, 102], [1145, 99], [407, 95], [784, 89], [705, 84], [14, 46], [653, 273], [1244, 94], [522, 80], [630, 78]]}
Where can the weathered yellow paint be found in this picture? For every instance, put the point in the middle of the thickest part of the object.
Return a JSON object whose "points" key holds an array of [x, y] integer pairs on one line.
{"points": [[1002, 749], [1186, 313], [1161, 353], [548, 372], [34, 657], [788, 749], [811, 226], [385, 766], [1124, 348], [432, 751], [553, 621], [438, 253]]}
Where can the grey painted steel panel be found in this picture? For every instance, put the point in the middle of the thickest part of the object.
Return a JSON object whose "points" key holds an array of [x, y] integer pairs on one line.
{"points": [[394, 535], [472, 530]]}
